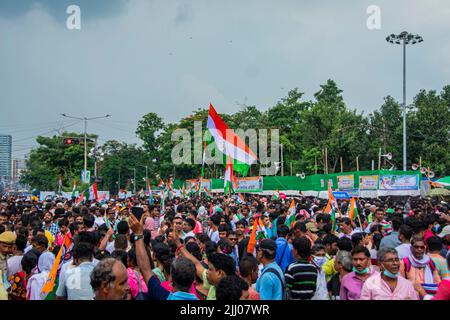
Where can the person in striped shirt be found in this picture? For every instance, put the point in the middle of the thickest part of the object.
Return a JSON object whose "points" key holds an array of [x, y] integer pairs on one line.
{"points": [[301, 276]]}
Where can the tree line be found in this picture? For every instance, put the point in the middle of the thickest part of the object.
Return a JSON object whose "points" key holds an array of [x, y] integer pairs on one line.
{"points": [[308, 129]]}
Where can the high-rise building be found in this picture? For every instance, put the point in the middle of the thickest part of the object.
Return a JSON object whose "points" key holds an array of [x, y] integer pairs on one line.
{"points": [[18, 166], [5, 157]]}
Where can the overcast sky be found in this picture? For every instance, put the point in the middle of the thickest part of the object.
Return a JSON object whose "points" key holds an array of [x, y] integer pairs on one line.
{"points": [[171, 57]]}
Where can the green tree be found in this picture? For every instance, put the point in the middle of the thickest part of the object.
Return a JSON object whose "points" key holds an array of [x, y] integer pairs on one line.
{"points": [[148, 130], [428, 127], [52, 159], [122, 159]]}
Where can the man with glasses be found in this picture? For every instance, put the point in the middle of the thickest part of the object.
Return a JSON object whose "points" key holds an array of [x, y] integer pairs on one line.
{"points": [[233, 238], [419, 268], [388, 285]]}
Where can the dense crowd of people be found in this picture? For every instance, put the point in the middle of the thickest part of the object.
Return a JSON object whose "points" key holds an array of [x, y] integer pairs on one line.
{"points": [[224, 248]]}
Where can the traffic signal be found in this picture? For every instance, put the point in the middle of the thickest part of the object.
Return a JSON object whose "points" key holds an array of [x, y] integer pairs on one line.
{"points": [[71, 141]]}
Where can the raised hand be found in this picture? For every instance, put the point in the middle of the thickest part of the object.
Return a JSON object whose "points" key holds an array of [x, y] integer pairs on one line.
{"points": [[135, 225]]}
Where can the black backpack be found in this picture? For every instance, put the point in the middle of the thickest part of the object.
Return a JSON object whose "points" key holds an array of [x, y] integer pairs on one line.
{"points": [[141, 295]]}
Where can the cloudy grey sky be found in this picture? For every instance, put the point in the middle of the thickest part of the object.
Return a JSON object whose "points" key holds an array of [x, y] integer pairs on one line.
{"points": [[132, 57]]}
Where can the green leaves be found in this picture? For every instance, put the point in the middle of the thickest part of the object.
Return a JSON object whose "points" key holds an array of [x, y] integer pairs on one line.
{"points": [[306, 128]]}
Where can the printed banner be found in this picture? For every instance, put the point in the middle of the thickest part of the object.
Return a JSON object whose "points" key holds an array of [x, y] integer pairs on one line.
{"points": [[399, 182], [123, 195], [68, 195], [249, 184], [368, 182], [346, 182], [341, 195], [43, 195], [103, 195], [206, 183]]}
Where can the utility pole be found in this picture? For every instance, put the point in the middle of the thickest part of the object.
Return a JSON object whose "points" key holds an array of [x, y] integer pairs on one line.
{"points": [[379, 159], [282, 163], [146, 178], [85, 119], [357, 163], [315, 164], [342, 167], [118, 184], [134, 181]]}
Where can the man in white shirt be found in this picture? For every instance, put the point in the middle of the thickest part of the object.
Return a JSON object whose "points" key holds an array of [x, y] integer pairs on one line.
{"points": [[74, 283], [14, 262], [213, 232]]}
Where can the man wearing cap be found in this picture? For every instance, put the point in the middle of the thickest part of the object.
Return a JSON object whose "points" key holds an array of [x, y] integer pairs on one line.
{"points": [[445, 235], [270, 283], [7, 240], [311, 231]]}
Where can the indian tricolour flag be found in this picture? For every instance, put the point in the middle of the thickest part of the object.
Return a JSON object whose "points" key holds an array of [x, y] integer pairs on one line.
{"points": [[207, 192], [60, 258], [229, 177], [353, 211], [74, 188], [258, 233], [276, 195], [331, 199], [290, 218], [229, 143], [79, 199], [240, 199], [93, 191]]}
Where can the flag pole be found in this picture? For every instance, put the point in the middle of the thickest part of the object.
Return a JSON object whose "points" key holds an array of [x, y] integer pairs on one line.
{"points": [[360, 224]]}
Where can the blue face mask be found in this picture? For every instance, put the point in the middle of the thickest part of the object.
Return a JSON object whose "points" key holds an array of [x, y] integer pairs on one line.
{"points": [[436, 228], [389, 274], [363, 271]]}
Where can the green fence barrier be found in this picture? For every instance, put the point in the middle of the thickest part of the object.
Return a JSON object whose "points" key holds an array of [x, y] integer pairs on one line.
{"points": [[309, 183]]}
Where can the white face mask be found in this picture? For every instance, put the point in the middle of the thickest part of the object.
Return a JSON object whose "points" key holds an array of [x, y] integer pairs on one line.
{"points": [[320, 261]]}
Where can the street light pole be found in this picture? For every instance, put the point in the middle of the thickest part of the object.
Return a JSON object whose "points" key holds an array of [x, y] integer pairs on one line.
{"points": [[404, 38], [404, 105], [85, 119], [85, 150], [146, 177], [134, 180]]}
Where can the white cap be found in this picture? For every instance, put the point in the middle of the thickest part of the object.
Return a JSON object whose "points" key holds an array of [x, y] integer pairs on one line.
{"points": [[445, 231]]}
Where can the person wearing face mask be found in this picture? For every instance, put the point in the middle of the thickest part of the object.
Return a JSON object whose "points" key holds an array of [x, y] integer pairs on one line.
{"points": [[432, 226], [353, 282], [318, 259], [388, 284], [419, 268]]}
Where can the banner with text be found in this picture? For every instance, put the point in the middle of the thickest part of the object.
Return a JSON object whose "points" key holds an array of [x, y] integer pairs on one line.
{"points": [[368, 182], [206, 183], [399, 182], [252, 184], [346, 182]]}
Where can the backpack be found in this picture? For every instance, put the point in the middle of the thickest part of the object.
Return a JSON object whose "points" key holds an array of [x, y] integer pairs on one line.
{"points": [[141, 295], [284, 295]]}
